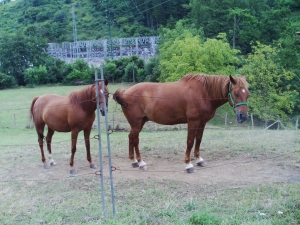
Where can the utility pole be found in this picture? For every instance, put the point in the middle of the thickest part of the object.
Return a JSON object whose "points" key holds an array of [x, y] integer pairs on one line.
{"points": [[75, 50], [108, 23]]}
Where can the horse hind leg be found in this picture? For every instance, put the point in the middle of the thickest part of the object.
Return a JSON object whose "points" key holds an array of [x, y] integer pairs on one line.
{"points": [[134, 145], [190, 143], [48, 140], [40, 132], [131, 149]]}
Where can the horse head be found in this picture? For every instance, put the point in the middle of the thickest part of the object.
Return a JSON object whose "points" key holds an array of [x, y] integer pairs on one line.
{"points": [[103, 98], [237, 97]]}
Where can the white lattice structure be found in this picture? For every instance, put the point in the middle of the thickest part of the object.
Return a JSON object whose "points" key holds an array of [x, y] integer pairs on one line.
{"points": [[98, 50]]}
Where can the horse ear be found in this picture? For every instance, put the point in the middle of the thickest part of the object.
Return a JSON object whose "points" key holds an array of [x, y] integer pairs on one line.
{"points": [[233, 80], [106, 82]]}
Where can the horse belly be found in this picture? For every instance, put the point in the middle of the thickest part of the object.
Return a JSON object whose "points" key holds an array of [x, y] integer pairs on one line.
{"points": [[57, 119], [166, 115]]}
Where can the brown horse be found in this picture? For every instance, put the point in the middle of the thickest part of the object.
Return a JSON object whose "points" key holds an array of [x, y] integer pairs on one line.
{"points": [[193, 100], [72, 113]]}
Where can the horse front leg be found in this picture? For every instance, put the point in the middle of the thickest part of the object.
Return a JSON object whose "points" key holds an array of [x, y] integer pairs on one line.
{"points": [[74, 136], [192, 129], [87, 133], [199, 160], [48, 140]]}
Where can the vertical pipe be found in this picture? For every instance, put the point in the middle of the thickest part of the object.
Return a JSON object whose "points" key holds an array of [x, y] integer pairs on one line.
{"points": [[108, 143], [226, 121], [100, 145], [252, 121], [113, 120]]}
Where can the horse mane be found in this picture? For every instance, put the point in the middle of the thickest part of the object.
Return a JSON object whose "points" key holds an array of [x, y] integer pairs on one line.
{"points": [[84, 98], [212, 83]]}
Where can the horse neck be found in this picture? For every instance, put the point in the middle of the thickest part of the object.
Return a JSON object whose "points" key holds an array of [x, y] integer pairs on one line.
{"points": [[84, 99], [218, 93]]}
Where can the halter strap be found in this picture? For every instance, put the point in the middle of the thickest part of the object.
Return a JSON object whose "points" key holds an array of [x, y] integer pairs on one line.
{"points": [[232, 101]]}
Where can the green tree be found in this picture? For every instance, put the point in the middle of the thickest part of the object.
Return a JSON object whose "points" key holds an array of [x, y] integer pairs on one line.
{"points": [[19, 52], [7, 81], [269, 99], [184, 52]]}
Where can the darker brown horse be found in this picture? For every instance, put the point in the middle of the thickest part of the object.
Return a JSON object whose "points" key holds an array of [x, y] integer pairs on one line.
{"points": [[193, 100], [72, 113]]}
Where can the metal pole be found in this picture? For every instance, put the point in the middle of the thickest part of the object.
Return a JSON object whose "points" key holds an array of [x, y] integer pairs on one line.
{"points": [[108, 143], [226, 121], [252, 121], [100, 146], [133, 72]]}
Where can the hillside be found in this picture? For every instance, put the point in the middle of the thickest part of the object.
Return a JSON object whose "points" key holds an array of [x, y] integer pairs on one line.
{"points": [[95, 19]]}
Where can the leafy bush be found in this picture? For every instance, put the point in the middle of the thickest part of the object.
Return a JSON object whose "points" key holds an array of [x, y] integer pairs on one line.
{"points": [[79, 71], [56, 69], [36, 75], [7, 81]]}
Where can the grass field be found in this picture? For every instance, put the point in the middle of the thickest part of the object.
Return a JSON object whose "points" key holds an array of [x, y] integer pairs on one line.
{"points": [[253, 176]]}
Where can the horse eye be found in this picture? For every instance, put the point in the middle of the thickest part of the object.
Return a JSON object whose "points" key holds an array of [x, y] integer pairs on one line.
{"points": [[236, 94]]}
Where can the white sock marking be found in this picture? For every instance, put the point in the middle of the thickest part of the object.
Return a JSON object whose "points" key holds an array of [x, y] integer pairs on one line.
{"points": [[142, 163], [189, 165], [199, 160]]}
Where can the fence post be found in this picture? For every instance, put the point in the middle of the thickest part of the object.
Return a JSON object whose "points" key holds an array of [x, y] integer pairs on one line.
{"points": [[100, 146], [226, 120], [113, 120], [252, 123], [278, 123], [108, 145]]}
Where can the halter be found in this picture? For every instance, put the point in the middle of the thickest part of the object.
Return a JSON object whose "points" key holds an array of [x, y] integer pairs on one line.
{"points": [[232, 101]]}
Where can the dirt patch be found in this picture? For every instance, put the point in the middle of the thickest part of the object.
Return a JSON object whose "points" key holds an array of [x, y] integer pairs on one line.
{"points": [[236, 171]]}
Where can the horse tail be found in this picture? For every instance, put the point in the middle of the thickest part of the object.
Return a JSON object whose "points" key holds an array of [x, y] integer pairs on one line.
{"points": [[117, 96], [31, 117]]}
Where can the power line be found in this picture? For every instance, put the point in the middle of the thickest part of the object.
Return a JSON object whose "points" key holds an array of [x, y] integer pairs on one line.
{"points": [[136, 6]]}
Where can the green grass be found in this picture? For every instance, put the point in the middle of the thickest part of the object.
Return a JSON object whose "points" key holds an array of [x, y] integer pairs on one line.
{"points": [[30, 195]]}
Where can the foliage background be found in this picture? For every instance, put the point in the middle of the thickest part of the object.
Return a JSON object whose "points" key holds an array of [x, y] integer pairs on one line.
{"points": [[214, 37]]}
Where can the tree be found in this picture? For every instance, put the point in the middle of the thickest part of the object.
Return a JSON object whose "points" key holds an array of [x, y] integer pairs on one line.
{"points": [[269, 99], [19, 52], [183, 52]]}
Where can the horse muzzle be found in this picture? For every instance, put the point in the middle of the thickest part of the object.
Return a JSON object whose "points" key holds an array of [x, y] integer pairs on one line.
{"points": [[102, 111], [240, 116]]}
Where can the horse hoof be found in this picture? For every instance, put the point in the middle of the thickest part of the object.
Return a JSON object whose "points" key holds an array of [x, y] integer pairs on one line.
{"points": [[201, 163], [135, 164], [191, 170], [46, 167], [93, 166], [73, 171], [143, 168], [52, 164]]}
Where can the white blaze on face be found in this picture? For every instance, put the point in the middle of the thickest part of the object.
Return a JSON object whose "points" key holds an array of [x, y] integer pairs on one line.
{"points": [[243, 90]]}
